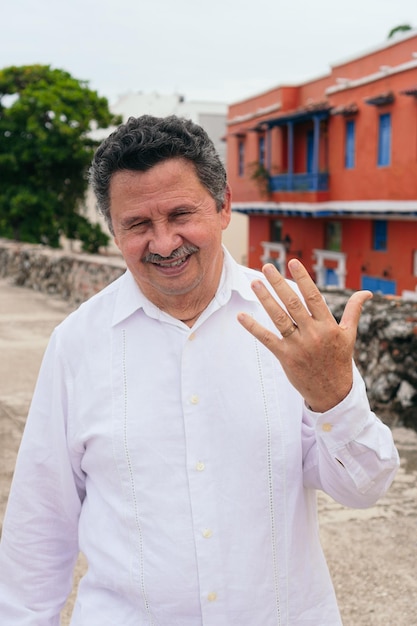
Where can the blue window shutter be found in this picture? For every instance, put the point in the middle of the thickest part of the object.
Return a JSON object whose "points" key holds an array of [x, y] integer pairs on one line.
{"points": [[241, 158], [261, 148], [384, 140], [350, 145], [380, 234]]}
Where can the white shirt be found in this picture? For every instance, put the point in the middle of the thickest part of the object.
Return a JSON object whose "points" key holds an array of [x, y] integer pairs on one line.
{"points": [[187, 465]]}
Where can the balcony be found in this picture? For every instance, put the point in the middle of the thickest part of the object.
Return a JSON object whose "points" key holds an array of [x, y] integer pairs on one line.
{"points": [[299, 182]]}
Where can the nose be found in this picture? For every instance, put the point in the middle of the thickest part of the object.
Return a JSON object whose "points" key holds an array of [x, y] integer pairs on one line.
{"points": [[164, 240]]}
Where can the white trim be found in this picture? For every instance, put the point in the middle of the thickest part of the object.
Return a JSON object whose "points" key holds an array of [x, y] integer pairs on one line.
{"points": [[258, 113], [321, 256], [276, 253], [371, 78]]}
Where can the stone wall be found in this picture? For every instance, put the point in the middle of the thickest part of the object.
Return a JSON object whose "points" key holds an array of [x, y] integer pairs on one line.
{"points": [[386, 354], [73, 277], [386, 348]]}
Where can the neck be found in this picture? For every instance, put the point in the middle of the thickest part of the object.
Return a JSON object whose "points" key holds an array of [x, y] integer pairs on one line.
{"points": [[190, 321], [185, 310]]}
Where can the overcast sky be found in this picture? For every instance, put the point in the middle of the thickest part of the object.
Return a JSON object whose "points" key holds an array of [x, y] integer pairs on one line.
{"points": [[220, 50]]}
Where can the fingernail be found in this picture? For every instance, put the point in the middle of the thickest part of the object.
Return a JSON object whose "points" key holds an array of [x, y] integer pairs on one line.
{"points": [[294, 264], [269, 269]]}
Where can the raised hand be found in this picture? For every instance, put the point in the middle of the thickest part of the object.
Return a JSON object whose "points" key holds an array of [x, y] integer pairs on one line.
{"points": [[314, 350]]}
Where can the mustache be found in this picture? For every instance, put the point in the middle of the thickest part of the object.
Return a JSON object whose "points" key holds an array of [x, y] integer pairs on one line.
{"points": [[184, 250]]}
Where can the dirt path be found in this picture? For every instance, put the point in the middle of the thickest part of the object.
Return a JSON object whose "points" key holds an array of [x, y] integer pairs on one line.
{"points": [[372, 553]]}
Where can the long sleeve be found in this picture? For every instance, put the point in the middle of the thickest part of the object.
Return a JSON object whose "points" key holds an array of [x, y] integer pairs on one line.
{"points": [[348, 452], [39, 543]]}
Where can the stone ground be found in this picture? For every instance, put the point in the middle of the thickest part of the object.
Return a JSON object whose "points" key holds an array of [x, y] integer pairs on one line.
{"points": [[372, 553]]}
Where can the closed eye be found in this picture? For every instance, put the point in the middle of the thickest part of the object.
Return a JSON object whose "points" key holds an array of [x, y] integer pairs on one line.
{"points": [[180, 216], [142, 226]]}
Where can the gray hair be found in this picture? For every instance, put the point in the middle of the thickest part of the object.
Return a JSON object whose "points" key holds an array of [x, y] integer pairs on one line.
{"points": [[144, 141]]}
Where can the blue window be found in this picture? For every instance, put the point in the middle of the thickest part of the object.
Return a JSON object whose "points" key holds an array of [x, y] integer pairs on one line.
{"points": [[261, 150], [241, 158], [350, 145], [380, 234], [384, 140]]}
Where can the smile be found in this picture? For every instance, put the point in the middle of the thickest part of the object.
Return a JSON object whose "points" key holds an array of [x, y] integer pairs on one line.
{"points": [[176, 260], [174, 263]]}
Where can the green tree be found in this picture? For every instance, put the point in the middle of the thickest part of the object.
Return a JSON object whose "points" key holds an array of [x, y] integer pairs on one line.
{"points": [[46, 119], [399, 29]]}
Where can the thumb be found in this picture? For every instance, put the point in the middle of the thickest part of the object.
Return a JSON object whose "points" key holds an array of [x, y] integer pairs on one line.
{"points": [[353, 310]]}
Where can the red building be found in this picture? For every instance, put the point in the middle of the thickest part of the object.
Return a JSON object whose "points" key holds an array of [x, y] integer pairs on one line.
{"points": [[327, 171]]}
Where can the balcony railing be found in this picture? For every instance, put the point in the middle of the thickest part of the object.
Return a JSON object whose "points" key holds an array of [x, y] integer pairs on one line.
{"points": [[299, 182]]}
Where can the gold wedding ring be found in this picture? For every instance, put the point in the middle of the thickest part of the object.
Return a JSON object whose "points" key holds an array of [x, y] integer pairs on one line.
{"points": [[289, 332]]}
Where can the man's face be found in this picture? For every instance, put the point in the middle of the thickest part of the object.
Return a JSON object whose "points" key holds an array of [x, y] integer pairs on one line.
{"points": [[169, 231]]}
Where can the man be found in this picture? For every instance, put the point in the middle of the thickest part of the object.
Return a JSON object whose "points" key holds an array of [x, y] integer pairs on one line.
{"points": [[178, 451]]}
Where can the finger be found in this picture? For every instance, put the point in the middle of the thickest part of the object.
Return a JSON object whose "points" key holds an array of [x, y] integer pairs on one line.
{"points": [[353, 310], [266, 337], [293, 304], [314, 300], [279, 316]]}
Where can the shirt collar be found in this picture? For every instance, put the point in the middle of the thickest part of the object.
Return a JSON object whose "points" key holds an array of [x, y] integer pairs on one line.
{"points": [[235, 278], [130, 298]]}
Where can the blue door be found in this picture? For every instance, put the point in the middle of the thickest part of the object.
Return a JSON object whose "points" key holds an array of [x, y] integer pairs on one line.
{"points": [[379, 285]]}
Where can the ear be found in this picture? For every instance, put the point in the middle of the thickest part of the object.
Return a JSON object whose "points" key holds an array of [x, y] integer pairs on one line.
{"points": [[226, 211]]}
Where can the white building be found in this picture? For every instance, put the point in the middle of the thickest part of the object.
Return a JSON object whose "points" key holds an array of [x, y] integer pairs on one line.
{"points": [[211, 116]]}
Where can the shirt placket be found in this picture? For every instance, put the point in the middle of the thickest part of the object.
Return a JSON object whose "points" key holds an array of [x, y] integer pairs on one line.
{"points": [[197, 409]]}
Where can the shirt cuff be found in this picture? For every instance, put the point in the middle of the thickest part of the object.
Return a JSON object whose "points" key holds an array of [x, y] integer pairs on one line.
{"points": [[344, 422]]}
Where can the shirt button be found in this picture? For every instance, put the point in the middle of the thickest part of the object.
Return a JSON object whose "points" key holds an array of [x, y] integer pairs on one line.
{"points": [[191, 337], [212, 596], [207, 533], [194, 399], [327, 427], [200, 466]]}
